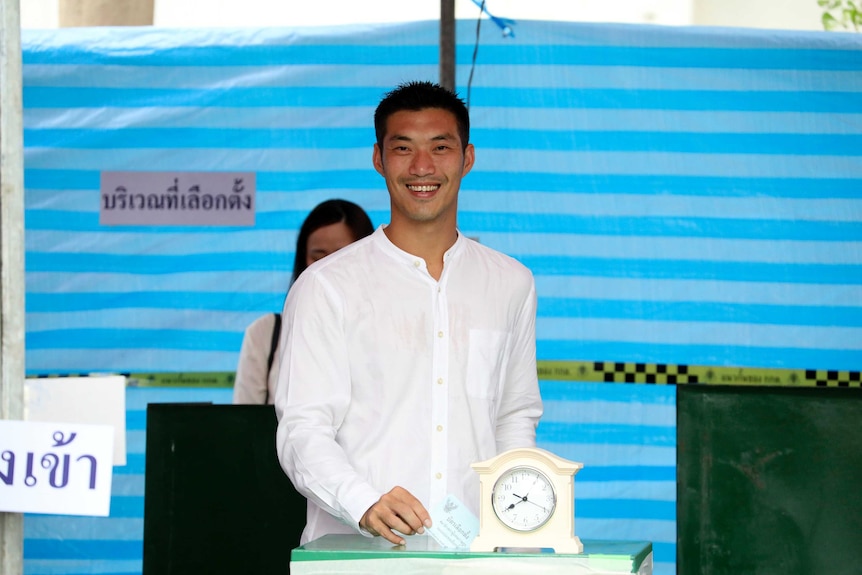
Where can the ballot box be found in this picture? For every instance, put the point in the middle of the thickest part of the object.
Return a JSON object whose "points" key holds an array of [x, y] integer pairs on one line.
{"points": [[355, 554]]}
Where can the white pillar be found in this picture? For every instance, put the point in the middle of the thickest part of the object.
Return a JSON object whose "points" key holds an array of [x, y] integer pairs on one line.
{"points": [[11, 258]]}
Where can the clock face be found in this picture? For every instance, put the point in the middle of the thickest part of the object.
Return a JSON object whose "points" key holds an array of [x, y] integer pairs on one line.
{"points": [[523, 498]]}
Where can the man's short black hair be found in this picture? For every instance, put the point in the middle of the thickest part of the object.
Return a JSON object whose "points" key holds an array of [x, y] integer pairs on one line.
{"points": [[415, 96]]}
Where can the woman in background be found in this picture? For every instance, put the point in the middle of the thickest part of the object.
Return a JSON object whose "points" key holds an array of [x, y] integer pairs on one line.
{"points": [[330, 226]]}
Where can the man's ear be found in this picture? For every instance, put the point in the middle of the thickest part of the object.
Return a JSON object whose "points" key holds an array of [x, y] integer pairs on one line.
{"points": [[469, 158], [377, 159]]}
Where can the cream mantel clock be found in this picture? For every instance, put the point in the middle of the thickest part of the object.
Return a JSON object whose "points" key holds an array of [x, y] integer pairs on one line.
{"points": [[527, 500]]}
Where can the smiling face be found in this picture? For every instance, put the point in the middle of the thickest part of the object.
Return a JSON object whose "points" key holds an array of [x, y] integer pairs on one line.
{"points": [[422, 160]]}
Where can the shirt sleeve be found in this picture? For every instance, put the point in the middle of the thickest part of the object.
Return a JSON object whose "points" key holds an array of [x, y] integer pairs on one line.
{"points": [[312, 397], [521, 402], [251, 375]]}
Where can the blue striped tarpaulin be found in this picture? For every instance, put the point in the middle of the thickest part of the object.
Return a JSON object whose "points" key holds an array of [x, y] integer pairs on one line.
{"points": [[682, 195]]}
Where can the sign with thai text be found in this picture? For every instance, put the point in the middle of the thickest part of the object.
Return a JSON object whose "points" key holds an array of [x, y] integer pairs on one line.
{"points": [[58, 468], [177, 199]]}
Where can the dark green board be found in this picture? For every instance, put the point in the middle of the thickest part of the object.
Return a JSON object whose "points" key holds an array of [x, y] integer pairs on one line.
{"points": [[216, 500], [769, 481]]}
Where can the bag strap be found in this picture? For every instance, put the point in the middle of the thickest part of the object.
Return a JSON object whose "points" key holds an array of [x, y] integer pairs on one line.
{"points": [[276, 331]]}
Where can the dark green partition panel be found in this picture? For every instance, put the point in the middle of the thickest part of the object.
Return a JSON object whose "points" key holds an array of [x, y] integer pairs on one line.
{"points": [[216, 500], [769, 481]]}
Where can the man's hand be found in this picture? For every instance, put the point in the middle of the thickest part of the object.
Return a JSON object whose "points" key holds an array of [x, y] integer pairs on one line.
{"points": [[399, 511]]}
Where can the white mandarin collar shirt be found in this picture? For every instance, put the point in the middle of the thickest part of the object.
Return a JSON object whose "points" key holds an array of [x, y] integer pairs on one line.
{"points": [[389, 377]]}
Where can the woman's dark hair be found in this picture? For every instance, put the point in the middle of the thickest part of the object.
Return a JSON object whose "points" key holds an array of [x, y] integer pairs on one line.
{"points": [[325, 214]]}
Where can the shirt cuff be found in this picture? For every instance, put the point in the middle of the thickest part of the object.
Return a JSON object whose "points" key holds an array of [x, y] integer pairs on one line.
{"points": [[356, 501]]}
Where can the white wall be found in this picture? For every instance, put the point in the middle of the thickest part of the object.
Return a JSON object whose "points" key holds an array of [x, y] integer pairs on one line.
{"points": [[781, 14], [40, 13], [313, 13], [787, 14]]}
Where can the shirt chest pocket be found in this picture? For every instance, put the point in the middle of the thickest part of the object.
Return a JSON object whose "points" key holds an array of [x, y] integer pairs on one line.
{"points": [[487, 360]]}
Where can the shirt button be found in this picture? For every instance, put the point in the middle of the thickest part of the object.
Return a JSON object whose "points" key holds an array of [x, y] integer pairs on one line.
{"points": [[439, 334], [439, 476], [439, 381], [439, 428], [416, 264]]}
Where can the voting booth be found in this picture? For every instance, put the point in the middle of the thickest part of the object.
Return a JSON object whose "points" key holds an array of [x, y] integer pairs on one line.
{"points": [[216, 499]]}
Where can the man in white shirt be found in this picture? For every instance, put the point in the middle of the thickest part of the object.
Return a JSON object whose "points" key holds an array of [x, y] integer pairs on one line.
{"points": [[411, 353]]}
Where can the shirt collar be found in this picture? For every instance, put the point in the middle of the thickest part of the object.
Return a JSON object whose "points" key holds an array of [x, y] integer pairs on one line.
{"points": [[391, 249]]}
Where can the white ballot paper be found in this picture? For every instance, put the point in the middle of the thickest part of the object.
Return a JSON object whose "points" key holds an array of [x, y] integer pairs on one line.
{"points": [[453, 524]]}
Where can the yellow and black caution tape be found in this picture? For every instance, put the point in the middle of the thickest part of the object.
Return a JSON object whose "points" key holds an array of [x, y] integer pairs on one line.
{"points": [[601, 371], [677, 374], [162, 379]]}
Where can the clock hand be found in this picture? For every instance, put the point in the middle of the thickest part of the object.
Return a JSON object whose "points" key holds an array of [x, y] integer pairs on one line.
{"points": [[525, 498], [536, 504], [520, 500], [536, 480]]}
